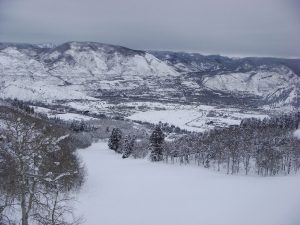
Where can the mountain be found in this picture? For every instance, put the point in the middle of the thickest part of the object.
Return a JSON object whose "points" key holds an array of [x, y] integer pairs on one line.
{"points": [[263, 81], [76, 71], [92, 71], [195, 62]]}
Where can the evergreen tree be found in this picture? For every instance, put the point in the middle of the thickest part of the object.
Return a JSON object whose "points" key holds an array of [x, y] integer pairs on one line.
{"points": [[115, 140], [156, 142], [127, 146]]}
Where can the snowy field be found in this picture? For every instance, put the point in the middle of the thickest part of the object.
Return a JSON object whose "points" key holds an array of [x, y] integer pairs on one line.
{"points": [[71, 116], [190, 117], [63, 116], [197, 119], [138, 192]]}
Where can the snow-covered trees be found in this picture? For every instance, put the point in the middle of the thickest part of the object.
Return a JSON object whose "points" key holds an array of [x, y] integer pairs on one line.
{"points": [[265, 147], [37, 164], [127, 146], [156, 144], [114, 142]]}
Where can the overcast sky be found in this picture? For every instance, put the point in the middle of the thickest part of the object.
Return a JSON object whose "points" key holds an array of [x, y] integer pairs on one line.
{"points": [[228, 27]]}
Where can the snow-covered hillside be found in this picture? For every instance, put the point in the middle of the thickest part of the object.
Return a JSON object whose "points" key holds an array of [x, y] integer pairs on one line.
{"points": [[90, 71], [103, 60], [26, 78], [74, 71], [274, 81], [270, 85], [137, 192], [199, 119]]}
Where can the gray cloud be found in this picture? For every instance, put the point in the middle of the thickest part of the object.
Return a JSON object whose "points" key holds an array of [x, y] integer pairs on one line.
{"points": [[232, 27]]}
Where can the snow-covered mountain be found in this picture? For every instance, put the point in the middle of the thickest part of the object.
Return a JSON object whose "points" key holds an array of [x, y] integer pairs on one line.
{"points": [[76, 71], [91, 71], [267, 81]]}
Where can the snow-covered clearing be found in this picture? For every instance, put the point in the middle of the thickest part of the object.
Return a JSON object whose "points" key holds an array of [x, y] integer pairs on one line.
{"points": [[138, 192], [198, 119], [71, 116]]}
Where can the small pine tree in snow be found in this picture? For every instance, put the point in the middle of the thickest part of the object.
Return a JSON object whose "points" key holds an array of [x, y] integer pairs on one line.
{"points": [[156, 142], [127, 146], [115, 140]]}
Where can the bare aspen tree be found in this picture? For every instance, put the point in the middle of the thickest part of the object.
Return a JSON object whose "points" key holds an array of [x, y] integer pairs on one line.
{"points": [[38, 162]]}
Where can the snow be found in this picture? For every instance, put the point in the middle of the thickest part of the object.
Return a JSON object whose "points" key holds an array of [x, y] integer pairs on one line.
{"points": [[66, 116], [91, 106], [176, 117], [138, 192], [71, 116], [27, 77], [196, 119], [268, 84], [61, 138], [42, 90], [297, 133], [81, 71], [42, 110]]}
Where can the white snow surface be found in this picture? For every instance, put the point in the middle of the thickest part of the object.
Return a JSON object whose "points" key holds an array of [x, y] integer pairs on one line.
{"points": [[27, 77], [263, 83], [196, 119], [71, 116], [137, 192], [297, 133]]}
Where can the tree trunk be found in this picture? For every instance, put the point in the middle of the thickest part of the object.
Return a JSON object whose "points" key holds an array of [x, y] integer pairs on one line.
{"points": [[24, 209], [228, 164], [54, 209]]}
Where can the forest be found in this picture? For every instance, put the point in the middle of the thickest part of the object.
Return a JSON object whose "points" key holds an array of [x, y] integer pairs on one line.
{"points": [[264, 147]]}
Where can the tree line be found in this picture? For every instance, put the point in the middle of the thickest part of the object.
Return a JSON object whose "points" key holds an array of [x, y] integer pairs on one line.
{"points": [[265, 147]]}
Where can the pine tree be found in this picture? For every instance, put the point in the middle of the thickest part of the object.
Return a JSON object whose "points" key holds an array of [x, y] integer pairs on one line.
{"points": [[115, 140], [156, 141], [127, 146]]}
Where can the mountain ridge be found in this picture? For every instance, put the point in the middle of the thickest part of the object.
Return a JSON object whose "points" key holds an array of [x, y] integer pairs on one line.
{"points": [[92, 70]]}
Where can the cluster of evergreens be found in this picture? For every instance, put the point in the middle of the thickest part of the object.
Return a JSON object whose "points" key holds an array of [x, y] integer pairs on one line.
{"points": [[129, 145]]}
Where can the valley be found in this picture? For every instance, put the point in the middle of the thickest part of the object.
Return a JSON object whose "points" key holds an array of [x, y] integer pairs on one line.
{"points": [[106, 74]]}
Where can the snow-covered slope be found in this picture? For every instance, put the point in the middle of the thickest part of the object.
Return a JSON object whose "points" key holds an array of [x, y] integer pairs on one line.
{"points": [[74, 70], [23, 76], [99, 59], [272, 81], [89, 71], [279, 85], [138, 192]]}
